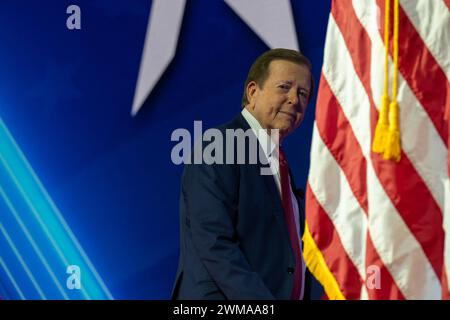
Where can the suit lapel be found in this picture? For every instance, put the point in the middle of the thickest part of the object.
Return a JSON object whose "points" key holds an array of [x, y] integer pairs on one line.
{"points": [[269, 180], [270, 186]]}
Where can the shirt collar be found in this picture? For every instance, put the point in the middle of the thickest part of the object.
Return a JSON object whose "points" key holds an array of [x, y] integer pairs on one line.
{"points": [[265, 141]]}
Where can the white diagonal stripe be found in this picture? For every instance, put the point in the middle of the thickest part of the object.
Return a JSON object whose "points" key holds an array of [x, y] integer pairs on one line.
{"points": [[346, 86], [338, 201], [447, 229], [160, 44], [431, 18], [271, 20]]}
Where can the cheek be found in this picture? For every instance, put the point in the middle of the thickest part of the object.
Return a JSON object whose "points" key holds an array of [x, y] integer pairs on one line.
{"points": [[298, 121], [273, 109], [269, 107], [276, 104]]}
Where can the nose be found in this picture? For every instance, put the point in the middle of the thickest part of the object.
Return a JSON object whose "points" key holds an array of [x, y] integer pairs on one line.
{"points": [[293, 98]]}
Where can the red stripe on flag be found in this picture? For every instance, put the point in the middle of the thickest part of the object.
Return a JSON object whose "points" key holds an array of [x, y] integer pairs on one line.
{"points": [[445, 290], [420, 70], [402, 183], [415, 204], [329, 243], [388, 289], [447, 118], [447, 3], [338, 136]]}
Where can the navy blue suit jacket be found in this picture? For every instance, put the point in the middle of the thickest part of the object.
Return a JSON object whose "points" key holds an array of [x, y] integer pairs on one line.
{"points": [[234, 242]]}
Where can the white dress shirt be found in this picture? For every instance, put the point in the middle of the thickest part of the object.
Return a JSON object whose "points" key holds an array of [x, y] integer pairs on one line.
{"points": [[270, 153]]}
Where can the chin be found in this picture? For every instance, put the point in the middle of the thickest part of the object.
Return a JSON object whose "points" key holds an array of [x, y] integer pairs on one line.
{"points": [[284, 132], [286, 128]]}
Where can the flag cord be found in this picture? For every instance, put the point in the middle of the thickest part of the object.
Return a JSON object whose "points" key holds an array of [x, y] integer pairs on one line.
{"points": [[386, 139], [393, 149]]}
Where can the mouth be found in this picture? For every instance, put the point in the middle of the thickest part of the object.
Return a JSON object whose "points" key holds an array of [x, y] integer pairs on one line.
{"points": [[288, 114]]}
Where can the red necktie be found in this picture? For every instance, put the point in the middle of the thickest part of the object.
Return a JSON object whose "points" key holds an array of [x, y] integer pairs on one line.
{"points": [[290, 222]]}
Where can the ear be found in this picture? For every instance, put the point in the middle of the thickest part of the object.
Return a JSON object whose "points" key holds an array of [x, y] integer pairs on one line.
{"points": [[251, 92]]}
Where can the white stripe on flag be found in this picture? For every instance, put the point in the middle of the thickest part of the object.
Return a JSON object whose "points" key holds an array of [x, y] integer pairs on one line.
{"points": [[346, 86], [338, 201], [447, 230], [432, 20]]}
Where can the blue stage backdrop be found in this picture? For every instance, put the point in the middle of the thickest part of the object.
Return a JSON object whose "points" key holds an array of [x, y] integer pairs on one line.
{"points": [[87, 190]]}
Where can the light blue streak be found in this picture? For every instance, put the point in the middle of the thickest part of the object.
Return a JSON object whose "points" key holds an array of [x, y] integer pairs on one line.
{"points": [[33, 244], [22, 262], [48, 209]]}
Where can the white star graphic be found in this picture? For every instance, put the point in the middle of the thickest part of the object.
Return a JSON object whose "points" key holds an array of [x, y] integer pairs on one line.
{"points": [[271, 20]]}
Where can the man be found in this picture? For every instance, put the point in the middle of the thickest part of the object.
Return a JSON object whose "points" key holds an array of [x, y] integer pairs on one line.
{"points": [[241, 229]]}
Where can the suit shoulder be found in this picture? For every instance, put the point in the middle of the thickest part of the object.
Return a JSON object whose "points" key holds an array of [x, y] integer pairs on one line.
{"points": [[238, 122]]}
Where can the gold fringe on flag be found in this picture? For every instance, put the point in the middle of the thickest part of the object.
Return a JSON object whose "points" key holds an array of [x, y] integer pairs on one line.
{"points": [[317, 266]]}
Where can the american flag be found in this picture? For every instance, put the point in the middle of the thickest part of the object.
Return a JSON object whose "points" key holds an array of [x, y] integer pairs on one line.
{"points": [[377, 228]]}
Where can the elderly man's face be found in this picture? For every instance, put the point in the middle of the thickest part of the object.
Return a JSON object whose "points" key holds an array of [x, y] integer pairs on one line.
{"points": [[281, 102]]}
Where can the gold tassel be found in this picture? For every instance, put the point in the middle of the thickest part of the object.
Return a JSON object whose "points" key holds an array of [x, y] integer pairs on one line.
{"points": [[393, 149], [382, 129]]}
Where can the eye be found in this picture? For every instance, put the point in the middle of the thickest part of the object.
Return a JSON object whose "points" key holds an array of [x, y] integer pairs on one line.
{"points": [[284, 86], [303, 93]]}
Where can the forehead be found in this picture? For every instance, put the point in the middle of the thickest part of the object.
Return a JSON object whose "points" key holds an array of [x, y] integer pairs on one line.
{"points": [[283, 70]]}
